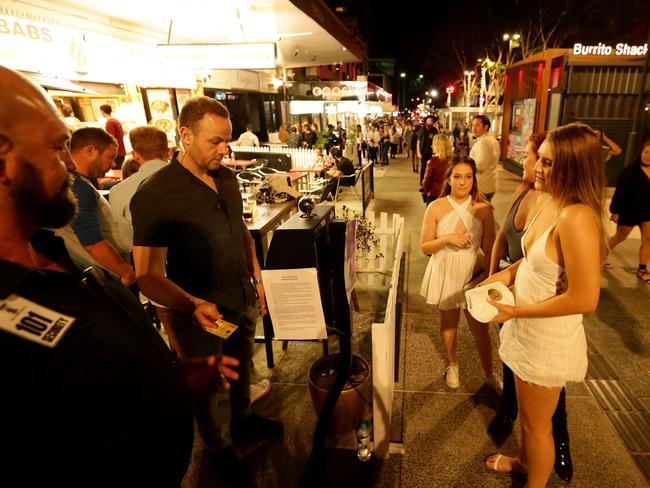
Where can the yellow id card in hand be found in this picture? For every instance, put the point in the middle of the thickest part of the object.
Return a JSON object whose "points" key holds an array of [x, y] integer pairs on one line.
{"points": [[222, 329]]}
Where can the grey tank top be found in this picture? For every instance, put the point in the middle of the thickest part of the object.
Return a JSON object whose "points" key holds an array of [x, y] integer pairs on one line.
{"points": [[512, 235]]}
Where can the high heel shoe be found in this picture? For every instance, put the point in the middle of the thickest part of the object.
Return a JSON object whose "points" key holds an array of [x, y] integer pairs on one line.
{"points": [[563, 465]]}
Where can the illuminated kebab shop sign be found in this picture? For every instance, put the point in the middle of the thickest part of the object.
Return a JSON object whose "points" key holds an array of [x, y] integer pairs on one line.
{"points": [[621, 49]]}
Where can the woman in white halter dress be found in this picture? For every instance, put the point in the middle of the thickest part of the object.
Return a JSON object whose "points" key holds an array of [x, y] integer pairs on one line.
{"points": [[543, 339], [455, 228], [451, 268]]}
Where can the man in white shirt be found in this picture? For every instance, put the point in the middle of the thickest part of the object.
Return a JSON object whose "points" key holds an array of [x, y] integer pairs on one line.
{"points": [[150, 152], [248, 138], [374, 138], [485, 153]]}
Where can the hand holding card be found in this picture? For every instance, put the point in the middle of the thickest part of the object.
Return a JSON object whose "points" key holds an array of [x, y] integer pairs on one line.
{"points": [[221, 328]]}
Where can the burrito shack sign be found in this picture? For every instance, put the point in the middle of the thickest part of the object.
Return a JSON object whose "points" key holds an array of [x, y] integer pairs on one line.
{"points": [[601, 49]]}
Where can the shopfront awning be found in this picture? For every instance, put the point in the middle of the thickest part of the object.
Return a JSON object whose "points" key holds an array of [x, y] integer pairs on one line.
{"points": [[306, 32], [52, 83]]}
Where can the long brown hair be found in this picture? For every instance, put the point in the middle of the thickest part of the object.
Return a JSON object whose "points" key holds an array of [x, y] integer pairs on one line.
{"points": [[536, 140], [475, 193], [577, 172]]}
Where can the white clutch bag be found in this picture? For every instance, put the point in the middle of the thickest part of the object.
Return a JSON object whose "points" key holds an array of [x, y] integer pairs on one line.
{"points": [[477, 300]]}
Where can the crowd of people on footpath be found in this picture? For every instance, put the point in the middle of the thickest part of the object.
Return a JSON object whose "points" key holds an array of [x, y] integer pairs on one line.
{"points": [[377, 140], [555, 277], [94, 393]]}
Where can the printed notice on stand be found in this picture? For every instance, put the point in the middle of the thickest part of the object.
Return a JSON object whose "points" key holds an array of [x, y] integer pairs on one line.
{"points": [[293, 300]]}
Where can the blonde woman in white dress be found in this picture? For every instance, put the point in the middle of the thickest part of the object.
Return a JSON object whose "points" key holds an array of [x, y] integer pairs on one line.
{"points": [[456, 227], [543, 340]]}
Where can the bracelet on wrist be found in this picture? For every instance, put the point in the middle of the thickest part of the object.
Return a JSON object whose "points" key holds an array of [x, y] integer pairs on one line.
{"points": [[258, 282]]}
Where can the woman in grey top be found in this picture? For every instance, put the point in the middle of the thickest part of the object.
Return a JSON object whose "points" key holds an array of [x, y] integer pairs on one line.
{"points": [[507, 250]]}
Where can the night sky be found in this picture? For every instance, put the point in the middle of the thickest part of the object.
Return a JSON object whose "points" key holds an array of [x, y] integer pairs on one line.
{"points": [[429, 36]]}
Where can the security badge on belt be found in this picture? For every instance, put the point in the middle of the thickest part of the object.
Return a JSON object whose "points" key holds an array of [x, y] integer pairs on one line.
{"points": [[222, 329], [33, 322]]}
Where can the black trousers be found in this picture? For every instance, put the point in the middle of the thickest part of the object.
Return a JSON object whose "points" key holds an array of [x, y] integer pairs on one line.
{"points": [[372, 153], [423, 165]]}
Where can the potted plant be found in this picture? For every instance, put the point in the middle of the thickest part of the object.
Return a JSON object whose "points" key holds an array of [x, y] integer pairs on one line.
{"points": [[325, 139], [366, 240]]}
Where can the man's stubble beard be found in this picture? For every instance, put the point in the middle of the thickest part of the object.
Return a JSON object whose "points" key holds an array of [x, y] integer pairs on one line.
{"points": [[31, 200], [96, 169]]}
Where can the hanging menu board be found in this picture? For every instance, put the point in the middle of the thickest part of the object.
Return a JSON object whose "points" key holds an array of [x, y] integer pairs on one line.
{"points": [[160, 106]]}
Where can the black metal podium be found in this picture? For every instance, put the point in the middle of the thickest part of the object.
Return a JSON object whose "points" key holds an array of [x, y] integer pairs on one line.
{"points": [[319, 242]]}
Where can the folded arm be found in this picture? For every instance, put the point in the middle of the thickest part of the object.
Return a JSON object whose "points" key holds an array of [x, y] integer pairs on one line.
{"points": [[430, 244]]}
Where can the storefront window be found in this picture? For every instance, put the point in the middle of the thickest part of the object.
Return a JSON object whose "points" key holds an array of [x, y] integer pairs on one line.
{"points": [[522, 122], [271, 113]]}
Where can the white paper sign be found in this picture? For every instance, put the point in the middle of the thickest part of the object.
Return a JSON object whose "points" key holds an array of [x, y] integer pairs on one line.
{"points": [[293, 299]]}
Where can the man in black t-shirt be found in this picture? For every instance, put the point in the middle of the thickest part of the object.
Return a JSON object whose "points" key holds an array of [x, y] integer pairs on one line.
{"points": [[425, 139], [194, 255], [344, 167], [90, 393]]}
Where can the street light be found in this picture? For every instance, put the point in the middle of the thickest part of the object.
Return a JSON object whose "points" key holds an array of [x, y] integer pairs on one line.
{"points": [[449, 90], [401, 80], [483, 89], [512, 39], [433, 94], [468, 99]]}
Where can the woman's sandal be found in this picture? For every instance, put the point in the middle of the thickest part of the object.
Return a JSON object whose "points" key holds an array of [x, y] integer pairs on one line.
{"points": [[497, 458], [643, 275]]}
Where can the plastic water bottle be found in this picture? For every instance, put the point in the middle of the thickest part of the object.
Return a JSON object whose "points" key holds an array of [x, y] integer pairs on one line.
{"points": [[364, 444]]}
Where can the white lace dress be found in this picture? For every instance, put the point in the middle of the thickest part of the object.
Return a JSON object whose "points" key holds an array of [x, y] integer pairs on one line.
{"points": [[451, 268], [544, 351]]}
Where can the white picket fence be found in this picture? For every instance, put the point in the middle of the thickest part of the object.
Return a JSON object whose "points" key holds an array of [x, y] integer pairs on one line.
{"points": [[300, 157], [380, 269], [375, 265]]}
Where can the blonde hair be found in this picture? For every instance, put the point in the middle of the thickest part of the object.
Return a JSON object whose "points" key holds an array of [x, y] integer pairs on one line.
{"points": [[442, 147], [577, 172]]}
